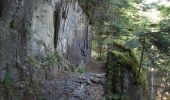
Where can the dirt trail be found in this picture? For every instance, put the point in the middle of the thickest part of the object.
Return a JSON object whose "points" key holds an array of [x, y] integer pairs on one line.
{"points": [[96, 67], [85, 86]]}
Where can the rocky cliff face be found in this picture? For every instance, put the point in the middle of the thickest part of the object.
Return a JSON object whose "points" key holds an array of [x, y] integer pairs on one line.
{"points": [[36, 28]]}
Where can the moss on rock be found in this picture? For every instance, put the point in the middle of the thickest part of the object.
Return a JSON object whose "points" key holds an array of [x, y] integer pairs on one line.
{"points": [[121, 63]]}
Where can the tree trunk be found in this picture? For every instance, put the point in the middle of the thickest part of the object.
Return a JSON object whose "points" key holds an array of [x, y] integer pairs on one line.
{"points": [[152, 88]]}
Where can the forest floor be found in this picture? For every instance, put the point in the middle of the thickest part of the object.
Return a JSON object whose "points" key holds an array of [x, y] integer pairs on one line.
{"points": [[77, 86]]}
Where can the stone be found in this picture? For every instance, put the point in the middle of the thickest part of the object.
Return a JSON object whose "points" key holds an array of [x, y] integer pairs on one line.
{"points": [[122, 78], [74, 34], [35, 28], [31, 30]]}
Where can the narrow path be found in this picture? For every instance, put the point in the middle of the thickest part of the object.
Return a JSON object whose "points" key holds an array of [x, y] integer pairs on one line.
{"points": [[96, 67], [85, 86]]}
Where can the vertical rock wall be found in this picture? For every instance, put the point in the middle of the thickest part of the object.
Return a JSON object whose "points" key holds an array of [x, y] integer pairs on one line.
{"points": [[39, 27], [74, 34], [63, 27], [13, 34]]}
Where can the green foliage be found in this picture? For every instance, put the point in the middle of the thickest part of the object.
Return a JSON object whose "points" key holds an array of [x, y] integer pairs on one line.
{"points": [[123, 22], [32, 61], [162, 43], [29, 30], [53, 59], [12, 24], [165, 25], [161, 37], [118, 62], [114, 96], [82, 70], [134, 43], [7, 84], [111, 19], [164, 10], [126, 59]]}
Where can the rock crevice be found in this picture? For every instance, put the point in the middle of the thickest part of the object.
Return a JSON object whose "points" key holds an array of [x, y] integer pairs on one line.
{"points": [[40, 27]]}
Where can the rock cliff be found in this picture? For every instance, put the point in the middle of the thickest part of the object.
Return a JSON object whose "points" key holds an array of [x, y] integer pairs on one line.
{"points": [[122, 75], [36, 28]]}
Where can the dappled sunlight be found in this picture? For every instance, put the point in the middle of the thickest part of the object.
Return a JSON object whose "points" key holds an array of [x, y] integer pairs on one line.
{"points": [[152, 14], [84, 49]]}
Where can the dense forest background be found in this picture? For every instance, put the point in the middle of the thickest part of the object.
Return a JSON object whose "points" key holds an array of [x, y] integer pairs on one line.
{"points": [[139, 25]]}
